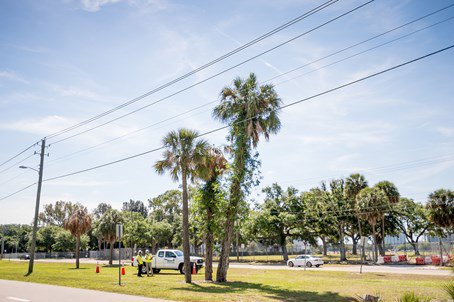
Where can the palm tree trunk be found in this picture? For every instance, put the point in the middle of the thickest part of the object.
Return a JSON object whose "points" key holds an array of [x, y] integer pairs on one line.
{"points": [[111, 245], [343, 256], [77, 251], [187, 269], [375, 243], [239, 169], [284, 247], [325, 246], [383, 235], [441, 251], [209, 247]]}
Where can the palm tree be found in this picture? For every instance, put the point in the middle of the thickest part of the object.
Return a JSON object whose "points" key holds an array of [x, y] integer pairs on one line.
{"points": [[107, 227], [251, 111], [369, 206], [441, 213], [353, 185], [78, 224], [183, 158], [215, 165], [392, 193]]}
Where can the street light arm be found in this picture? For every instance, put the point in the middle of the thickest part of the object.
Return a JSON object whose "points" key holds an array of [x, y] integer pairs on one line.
{"points": [[25, 167]]}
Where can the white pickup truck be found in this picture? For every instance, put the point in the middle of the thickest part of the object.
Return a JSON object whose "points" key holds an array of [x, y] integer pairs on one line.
{"points": [[170, 259]]}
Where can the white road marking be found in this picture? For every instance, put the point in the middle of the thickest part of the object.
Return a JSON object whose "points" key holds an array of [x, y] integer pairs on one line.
{"points": [[18, 299]]}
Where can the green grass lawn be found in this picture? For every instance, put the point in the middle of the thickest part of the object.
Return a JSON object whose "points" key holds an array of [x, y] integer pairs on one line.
{"points": [[244, 285]]}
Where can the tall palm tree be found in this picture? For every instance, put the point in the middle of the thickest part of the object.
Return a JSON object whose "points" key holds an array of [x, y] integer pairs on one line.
{"points": [[184, 156], [369, 205], [441, 213], [251, 111], [107, 226], [78, 224], [392, 193]]}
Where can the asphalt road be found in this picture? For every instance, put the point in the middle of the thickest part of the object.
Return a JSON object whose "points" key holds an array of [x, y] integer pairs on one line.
{"points": [[15, 291]]}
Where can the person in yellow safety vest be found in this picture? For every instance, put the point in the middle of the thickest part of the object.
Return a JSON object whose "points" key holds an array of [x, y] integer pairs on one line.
{"points": [[139, 259], [148, 258]]}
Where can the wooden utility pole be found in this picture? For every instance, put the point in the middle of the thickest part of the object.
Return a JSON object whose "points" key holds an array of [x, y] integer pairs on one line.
{"points": [[38, 197]]}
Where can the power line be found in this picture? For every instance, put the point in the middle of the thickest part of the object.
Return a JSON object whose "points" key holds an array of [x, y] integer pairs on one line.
{"points": [[386, 168], [254, 41], [18, 191], [307, 64], [136, 131], [280, 108], [215, 75], [362, 52], [362, 42], [19, 154], [16, 163]]}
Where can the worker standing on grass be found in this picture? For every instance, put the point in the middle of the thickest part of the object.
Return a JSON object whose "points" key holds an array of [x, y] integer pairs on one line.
{"points": [[139, 264], [148, 258]]}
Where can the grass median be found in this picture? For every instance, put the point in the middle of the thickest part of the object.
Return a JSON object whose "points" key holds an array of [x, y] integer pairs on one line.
{"points": [[245, 284]]}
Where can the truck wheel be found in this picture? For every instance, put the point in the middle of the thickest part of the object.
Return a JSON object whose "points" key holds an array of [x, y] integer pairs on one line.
{"points": [[144, 270], [181, 268], [156, 271]]}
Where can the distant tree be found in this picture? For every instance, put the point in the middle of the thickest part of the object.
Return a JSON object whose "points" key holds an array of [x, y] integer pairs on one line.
{"points": [[46, 237], [137, 230], [58, 213], [370, 203], [167, 208], [412, 220], [441, 213], [65, 241], [161, 231], [16, 236], [392, 193], [107, 227], [318, 205], [100, 209], [183, 156], [135, 206], [78, 224], [250, 110], [278, 215], [353, 185]]}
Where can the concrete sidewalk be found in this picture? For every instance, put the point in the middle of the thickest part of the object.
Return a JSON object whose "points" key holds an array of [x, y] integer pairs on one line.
{"points": [[11, 291]]}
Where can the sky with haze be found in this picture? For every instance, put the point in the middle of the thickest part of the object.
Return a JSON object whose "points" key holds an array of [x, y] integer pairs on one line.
{"points": [[62, 62]]}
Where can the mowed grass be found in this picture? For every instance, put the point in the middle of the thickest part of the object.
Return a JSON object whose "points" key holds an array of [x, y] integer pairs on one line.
{"points": [[243, 285]]}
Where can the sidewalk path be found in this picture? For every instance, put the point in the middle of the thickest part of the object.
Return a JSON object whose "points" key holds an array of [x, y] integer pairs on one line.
{"points": [[16, 291]]}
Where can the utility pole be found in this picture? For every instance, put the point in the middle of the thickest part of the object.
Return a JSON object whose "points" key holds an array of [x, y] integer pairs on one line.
{"points": [[38, 196]]}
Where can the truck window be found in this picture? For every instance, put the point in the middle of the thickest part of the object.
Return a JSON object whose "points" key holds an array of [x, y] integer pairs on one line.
{"points": [[161, 254], [170, 255]]}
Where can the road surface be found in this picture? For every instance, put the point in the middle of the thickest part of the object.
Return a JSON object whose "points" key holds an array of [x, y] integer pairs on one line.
{"points": [[16, 291]]}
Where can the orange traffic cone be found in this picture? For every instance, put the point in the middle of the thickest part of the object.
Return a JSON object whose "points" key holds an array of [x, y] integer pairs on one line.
{"points": [[97, 267], [123, 269], [194, 270]]}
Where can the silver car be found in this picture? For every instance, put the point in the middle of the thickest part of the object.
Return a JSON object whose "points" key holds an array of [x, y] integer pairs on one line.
{"points": [[305, 260]]}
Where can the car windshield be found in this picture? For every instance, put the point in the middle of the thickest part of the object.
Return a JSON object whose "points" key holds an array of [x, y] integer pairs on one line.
{"points": [[179, 254]]}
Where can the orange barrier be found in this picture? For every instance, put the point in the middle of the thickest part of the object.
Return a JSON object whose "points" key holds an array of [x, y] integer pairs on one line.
{"points": [[387, 259], [435, 260], [420, 260], [402, 258]]}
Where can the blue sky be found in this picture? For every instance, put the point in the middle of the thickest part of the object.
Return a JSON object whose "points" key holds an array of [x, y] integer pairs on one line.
{"points": [[62, 62]]}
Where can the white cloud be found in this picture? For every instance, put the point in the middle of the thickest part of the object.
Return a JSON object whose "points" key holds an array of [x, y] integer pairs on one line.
{"points": [[9, 75], [145, 5], [446, 131]]}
